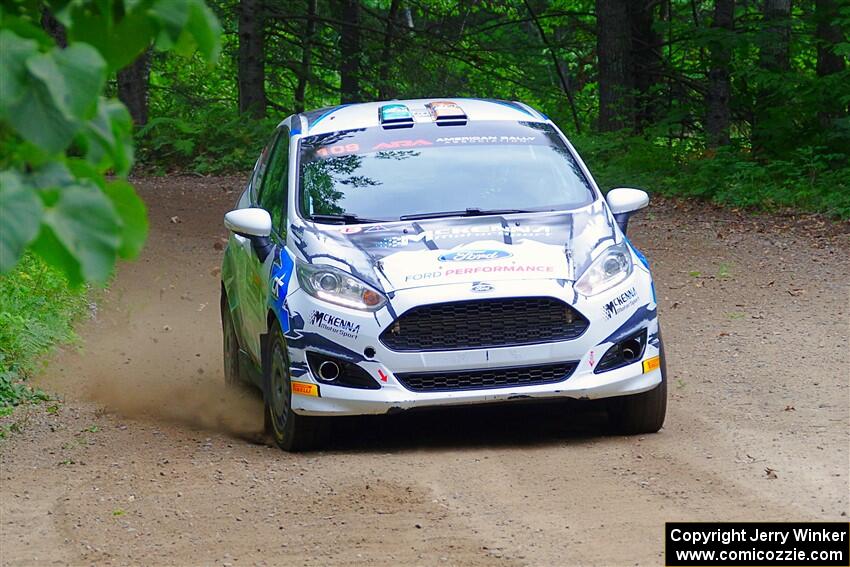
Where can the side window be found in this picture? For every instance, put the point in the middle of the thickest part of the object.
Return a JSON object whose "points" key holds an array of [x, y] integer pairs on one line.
{"points": [[259, 170], [273, 192]]}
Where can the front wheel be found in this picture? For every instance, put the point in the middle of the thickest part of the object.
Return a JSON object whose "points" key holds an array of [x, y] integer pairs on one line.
{"points": [[291, 432], [641, 413]]}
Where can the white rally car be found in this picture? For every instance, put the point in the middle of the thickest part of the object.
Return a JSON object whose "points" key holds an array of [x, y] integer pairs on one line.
{"points": [[386, 256]]}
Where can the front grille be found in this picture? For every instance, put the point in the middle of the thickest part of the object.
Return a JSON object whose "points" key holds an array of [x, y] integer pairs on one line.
{"points": [[484, 323], [451, 381]]}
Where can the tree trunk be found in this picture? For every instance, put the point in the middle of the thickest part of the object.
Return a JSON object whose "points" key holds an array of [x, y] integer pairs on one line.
{"points": [[133, 83], [718, 115], [774, 57], [563, 76], [646, 60], [774, 53], [829, 36], [613, 48], [306, 57], [385, 89], [251, 60], [349, 46]]}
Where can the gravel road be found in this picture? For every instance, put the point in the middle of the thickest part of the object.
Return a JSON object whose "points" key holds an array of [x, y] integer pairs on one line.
{"points": [[150, 460]]}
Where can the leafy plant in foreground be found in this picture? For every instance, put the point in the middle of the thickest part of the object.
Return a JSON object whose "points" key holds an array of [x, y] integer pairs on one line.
{"points": [[59, 137]]}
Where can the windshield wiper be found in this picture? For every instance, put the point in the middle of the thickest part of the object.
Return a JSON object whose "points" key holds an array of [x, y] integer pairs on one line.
{"points": [[344, 218], [471, 212]]}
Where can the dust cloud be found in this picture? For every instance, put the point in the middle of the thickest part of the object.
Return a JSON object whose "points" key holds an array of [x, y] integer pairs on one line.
{"points": [[203, 402]]}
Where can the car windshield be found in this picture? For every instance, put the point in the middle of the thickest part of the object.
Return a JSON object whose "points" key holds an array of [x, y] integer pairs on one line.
{"points": [[377, 174]]}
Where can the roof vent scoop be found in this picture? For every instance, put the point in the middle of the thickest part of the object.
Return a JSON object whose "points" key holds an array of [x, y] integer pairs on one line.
{"points": [[447, 113], [394, 116]]}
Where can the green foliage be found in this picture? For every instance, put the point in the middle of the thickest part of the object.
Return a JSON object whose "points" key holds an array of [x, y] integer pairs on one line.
{"points": [[37, 310], [211, 141], [60, 138], [812, 179]]}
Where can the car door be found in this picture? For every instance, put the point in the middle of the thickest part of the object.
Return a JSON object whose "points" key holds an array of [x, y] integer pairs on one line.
{"points": [[269, 192]]}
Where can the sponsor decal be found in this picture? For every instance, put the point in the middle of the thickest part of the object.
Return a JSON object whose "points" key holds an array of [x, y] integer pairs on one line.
{"points": [[305, 389], [383, 376], [474, 255], [620, 303], [459, 232], [396, 144], [651, 364], [486, 140], [335, 324], [479, 270], [591, 360], [481, 287], [350, 229]]}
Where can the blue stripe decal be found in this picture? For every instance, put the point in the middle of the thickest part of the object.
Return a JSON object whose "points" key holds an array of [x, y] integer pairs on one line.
{"points": [[281, 273], [294, 132], [639, 319], [637, 252], [326, 114]]}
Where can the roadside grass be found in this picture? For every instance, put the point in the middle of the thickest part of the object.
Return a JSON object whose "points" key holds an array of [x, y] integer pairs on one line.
{"points": [[37, 311]]}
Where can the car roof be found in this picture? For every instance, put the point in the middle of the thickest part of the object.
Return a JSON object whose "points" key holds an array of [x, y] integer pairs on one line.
{"points": [[367, 114]]}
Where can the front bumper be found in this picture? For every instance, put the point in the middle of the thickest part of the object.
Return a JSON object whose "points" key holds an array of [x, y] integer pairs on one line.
{"points": [[336, 400], [352, 333]]}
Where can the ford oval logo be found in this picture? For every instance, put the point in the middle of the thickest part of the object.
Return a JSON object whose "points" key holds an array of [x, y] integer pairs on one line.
{"points": [[474, 255], [481, 287]]}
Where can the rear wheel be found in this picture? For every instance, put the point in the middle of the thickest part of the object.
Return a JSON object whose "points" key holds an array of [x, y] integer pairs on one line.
{"points": [[641, 413], [291, 431], [230, 344]]}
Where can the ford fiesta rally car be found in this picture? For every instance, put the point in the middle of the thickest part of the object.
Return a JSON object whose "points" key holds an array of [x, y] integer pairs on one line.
{"points": [[387, 256]]}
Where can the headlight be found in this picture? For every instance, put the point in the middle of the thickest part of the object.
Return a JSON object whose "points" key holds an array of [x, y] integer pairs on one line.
{"points": [[335, 286], [613, 266]]}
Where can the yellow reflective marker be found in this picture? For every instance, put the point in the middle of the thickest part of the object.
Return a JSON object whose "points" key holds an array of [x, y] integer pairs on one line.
{"points": [[305, 389], [651, 364]]}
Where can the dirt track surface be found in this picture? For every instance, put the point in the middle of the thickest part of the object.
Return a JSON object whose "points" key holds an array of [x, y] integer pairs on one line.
{"points": [[151, 461]]}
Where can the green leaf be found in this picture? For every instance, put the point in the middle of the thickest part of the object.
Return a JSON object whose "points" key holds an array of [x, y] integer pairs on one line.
{"points": [[172, 16], [133, 213], [204, 29], [74, 76], [37, 119], [14, 52], [108, 138], [83, 232], [119, 42], [56, 254], [20, 216], [187, 26]]}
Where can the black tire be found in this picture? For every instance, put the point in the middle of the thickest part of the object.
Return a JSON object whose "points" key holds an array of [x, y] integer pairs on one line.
{"points": [[230, 345], [291, 432], [641, 413]]}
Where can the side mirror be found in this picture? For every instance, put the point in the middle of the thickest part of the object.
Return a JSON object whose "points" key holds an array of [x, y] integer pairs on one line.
{"points": [[255, 224], [624, 202], [249, 222]]}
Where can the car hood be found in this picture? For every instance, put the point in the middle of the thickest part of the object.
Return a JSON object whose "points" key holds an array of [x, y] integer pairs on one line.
{"points": [[402, 255]]}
